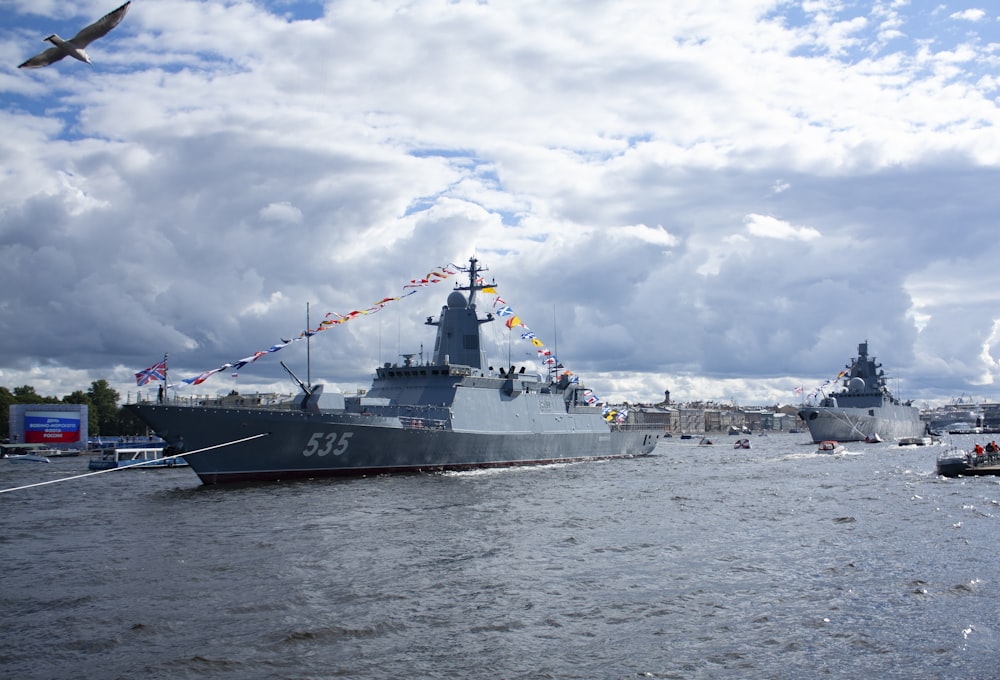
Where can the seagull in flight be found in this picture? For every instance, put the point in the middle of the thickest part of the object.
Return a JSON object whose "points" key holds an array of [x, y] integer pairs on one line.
{"points": [[74, 46]]}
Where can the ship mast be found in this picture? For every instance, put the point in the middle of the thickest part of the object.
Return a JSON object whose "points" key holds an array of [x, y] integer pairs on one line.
{"points": [[308, 349], [474, 285]]}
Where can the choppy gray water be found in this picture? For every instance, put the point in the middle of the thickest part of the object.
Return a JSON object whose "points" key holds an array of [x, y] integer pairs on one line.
{"points": [[696, 562]]}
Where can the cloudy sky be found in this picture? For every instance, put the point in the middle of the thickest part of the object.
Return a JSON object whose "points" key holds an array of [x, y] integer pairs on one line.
{"points": [[717, 197]]}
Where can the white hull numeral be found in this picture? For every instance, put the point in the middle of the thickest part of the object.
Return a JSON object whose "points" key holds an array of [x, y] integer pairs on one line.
{"points": [[325, 443]]}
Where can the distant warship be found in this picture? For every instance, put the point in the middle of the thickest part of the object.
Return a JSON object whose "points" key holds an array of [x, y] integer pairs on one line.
{"points": [[453, 413], [864, 409]]}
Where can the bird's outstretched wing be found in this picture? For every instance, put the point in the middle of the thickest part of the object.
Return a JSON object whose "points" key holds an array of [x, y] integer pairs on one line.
{"points": [[82, 39], [100, 27], [49, 56]]}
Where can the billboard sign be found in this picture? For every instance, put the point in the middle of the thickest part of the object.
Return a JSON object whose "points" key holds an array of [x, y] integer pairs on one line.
{"points": [[51, 427]]}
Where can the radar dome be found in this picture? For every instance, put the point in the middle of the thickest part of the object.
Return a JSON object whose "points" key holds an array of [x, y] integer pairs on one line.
{"points": [[456, 300], [856, 385]]}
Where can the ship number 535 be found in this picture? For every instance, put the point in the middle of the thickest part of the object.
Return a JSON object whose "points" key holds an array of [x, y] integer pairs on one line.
{"points": [[323, 443]]}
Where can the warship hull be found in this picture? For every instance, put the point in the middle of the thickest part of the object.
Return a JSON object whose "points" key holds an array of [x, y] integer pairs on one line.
{"points": [[845, 424], [284, 444]]}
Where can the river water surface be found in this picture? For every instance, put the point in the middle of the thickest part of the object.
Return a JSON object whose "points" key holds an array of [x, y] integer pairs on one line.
{"points": [[695, 562]]}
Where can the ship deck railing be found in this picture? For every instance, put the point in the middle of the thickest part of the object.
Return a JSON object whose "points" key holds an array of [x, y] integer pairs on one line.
{"points": [[247, 401], [626, 427], [415, 423], [988, 458]]}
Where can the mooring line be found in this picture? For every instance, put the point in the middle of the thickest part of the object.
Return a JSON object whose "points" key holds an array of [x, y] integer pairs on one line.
{"points": [[854, 426], [138, 464]]}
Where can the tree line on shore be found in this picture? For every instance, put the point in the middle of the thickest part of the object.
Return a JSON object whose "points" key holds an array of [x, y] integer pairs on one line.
{"points": [[104, 416]]}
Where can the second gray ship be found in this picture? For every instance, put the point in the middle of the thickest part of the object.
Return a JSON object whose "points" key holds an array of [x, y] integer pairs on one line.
{"points": [[863, 409], [452, 413]]}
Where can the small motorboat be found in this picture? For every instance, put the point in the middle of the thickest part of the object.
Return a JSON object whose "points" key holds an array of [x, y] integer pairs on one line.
{"points": [[873, 438], [705, 441], [28, 458], [954, 462], [142, 457], [830, 446], [27, 453], [741, 444]]}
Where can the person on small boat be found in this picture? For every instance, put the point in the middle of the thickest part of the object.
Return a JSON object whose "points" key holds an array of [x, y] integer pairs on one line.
{"points": [[991, 447], [979, 451]]}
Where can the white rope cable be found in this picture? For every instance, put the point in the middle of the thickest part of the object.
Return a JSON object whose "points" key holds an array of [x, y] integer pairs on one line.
{"points": [[136, 464], [844, 417]]}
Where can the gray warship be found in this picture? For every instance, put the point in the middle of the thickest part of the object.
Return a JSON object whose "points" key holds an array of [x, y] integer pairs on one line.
{"points": [[863, 409], [453, 412]]}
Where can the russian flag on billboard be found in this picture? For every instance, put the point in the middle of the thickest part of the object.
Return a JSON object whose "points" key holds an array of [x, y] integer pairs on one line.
{"points": [[43, 427]]}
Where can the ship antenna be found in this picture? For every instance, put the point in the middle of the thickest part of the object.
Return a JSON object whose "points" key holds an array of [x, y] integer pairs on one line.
{"points": [[474, 284], [473, 275], [473, 272], [555, 335], [510, 334], [308, 350]]}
